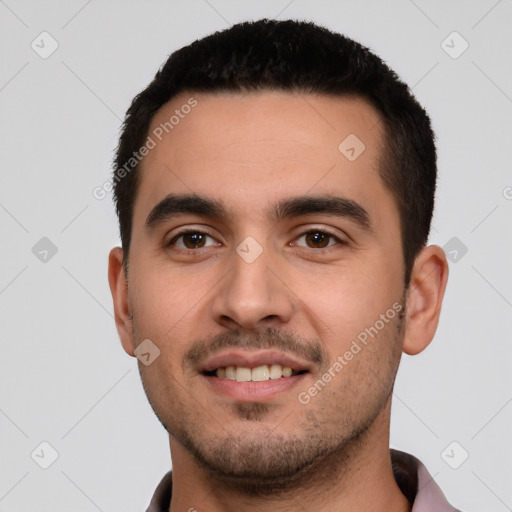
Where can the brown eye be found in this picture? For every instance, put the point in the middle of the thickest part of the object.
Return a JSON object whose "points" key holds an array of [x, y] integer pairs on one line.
{"points": [[192, 240], [317, 239]]}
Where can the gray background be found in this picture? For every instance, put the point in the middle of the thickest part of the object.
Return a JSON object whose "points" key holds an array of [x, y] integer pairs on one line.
{"points": [[64, 377]]}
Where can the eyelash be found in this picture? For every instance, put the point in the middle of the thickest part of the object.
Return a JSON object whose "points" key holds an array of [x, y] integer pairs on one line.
{"points": [[310, 231], [332, 236], [186, 232]]}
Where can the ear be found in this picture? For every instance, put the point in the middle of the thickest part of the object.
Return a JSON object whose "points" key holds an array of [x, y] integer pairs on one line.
{"points": [[119, 289], [424, 298]]}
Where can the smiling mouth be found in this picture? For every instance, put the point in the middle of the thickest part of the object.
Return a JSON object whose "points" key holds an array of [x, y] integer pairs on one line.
{"points": [[258, 374]]}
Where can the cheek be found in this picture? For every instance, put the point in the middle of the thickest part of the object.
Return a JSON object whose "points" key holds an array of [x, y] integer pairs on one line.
{"points": [[165, 302], [345, 301]]}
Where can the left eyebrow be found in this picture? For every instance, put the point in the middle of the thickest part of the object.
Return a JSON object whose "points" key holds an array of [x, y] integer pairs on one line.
{"points": [[326, 204], [176, 204]]}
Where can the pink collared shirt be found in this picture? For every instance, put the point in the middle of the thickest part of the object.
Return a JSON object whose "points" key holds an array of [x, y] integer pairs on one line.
{"points": [[411, 475]]}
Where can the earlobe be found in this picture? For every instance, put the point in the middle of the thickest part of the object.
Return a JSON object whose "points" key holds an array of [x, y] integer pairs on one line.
{"points": [[424, 298], [119, 290]]}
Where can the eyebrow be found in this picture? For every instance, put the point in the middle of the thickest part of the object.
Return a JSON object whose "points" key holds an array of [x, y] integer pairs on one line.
{"points": [[178, 204], [326, 204]]}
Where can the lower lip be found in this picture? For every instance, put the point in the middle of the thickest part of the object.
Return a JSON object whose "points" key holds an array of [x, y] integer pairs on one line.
{"points": [[253, 391]]}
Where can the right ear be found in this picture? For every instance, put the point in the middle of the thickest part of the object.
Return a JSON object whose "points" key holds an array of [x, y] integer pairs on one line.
{"points": [[119, 289]]}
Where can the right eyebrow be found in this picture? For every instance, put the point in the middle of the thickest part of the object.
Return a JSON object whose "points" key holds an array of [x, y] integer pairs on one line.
{"points": [[175, 204]]}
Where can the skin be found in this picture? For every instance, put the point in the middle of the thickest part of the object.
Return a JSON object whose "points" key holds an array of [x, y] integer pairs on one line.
{"points": [[251, 151]]}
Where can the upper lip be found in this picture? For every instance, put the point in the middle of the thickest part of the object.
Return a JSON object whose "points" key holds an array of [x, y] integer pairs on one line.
{"points": [[253, 359]]}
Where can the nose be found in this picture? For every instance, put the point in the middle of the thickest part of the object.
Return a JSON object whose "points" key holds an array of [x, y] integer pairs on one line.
{"points": [[253, 295]]}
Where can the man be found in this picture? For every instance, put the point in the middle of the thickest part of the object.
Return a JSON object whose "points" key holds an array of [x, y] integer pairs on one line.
{"points": [[275, 187]]}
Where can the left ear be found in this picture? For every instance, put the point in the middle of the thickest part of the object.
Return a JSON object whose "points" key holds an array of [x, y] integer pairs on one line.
{"points": [[424, 298]]}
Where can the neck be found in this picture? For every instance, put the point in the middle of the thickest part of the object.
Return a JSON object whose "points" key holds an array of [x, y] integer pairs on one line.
{"points": [[359, 479]]}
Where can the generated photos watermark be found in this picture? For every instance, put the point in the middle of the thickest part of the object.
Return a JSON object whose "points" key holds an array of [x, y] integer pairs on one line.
{"points": [[156, 136], [356, 346]]}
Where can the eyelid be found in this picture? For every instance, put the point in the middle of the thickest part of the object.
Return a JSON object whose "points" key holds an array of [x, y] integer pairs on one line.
{"points": [[338, 241], [340, 235], [184, 231]]}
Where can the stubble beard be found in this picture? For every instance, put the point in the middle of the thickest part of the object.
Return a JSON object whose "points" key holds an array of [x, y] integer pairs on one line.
{"points": [[264, 461]]}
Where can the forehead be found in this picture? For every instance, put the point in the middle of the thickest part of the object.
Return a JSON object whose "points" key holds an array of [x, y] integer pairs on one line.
{"points": [[261, 146]]}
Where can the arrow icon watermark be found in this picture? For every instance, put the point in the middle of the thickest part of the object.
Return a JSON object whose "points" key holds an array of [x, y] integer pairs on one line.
{"points": [[351, 147], [249, 249], [146, 352], [44, 250], [455, 249]]}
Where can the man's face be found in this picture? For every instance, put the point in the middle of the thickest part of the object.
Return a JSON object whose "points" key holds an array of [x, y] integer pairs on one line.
{"points": [[267, 276]]}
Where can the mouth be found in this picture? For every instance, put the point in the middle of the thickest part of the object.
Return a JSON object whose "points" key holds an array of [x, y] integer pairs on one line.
{"points": [[257, 374], [253, 376]]}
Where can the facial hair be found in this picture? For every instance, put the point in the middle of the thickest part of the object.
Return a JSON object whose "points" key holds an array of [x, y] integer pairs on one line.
{"points": [[263, 460]]}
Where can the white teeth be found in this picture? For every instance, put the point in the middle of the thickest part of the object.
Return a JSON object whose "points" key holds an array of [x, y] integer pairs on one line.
{"points": [[276, 371], [230, 373], [243, 374], [287, 371], [258, 374]]}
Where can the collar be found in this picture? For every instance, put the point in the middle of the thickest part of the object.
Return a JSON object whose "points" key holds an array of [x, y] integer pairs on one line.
{"points": [[410, 474]]}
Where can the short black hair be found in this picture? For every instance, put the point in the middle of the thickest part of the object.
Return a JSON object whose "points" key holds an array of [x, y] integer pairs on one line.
{"points": [[295, 56]]}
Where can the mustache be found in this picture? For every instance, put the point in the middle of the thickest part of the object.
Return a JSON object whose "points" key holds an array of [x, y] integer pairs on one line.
{"points": [[268, 338]]}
